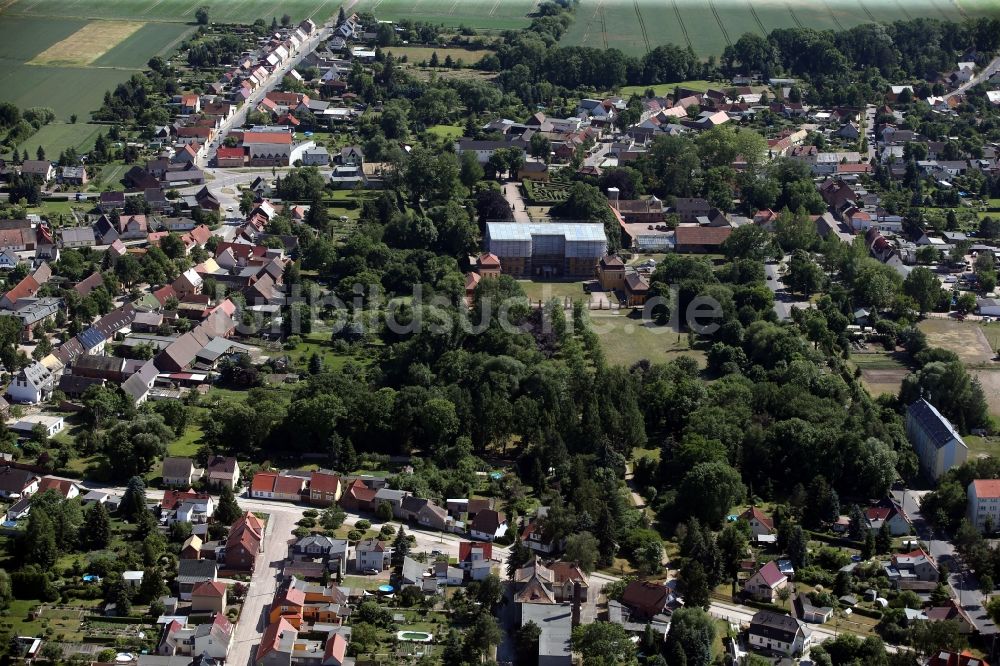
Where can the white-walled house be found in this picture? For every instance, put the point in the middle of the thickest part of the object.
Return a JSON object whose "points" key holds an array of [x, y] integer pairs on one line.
{"points": [[935, 440]]}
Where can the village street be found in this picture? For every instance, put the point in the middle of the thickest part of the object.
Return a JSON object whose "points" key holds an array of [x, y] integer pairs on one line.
{"points": [[239, 118]]}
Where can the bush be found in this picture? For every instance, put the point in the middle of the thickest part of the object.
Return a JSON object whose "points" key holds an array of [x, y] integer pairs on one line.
{"points": [[310, 513], [355, 535], [387, 530], [363, 525], [307, 522]]}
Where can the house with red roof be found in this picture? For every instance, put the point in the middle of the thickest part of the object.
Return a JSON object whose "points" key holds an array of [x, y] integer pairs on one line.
{"points": [[984, 504], [64, 487], [358, 497], [766, 583], [209, 596], [278, 486], [647, 599], [226, 157], [915, 565], [277, 644], [190, 103], [214, 640], [325, 488], [760, 523], [244, 542], [336, 650], [268, 148], [288, 605], [887, 512]]}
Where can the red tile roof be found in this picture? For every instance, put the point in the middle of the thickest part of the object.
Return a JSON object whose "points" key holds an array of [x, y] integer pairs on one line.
{"points": [[770, 574], [26, 288], [62, 486], [174, 498], [293, 596], [273, 633], [209, 588], [324, 483], [702, 235], [761, 517], [267, 137], [226, 153], [987, 487], [336, 648], [465, 549]]}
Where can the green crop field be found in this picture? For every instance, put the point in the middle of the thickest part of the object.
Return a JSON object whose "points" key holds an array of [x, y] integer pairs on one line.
{"points": [[707, 26], [223, 11], [478, 14], [59, 136], [91, 68], [136, 50]]}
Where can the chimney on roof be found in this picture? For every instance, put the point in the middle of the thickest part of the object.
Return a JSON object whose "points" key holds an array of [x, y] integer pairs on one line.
{"points": [[576, 604]]}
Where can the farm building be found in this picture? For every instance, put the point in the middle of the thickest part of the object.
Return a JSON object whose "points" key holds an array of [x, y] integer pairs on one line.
{"points": [[554, 249]]}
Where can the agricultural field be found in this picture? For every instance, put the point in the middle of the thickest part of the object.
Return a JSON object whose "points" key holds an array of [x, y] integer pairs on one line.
{"points": [[708, 26], [485, 15], [68, 64], [59, 136], [222, 11]]}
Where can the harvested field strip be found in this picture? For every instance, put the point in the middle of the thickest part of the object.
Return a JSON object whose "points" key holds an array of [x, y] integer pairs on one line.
{"points": [[87, 44]]}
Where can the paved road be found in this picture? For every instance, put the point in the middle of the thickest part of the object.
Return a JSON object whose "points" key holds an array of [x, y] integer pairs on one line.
{"points": [[282, 517], [239, 118], [599, 154], [512, 194], [984, 74], [963, 582], [262, 586]]}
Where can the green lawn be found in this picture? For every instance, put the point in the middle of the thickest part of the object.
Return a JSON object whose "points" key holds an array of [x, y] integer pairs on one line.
{"points": [[319, 342], [187, 444], [446, 131], [545, 291], [626, 340], [668, 88], [110, 178], [982, 446]]}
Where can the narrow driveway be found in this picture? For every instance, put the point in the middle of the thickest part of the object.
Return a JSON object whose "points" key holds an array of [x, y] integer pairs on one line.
{"points": [[783, 300], [512, 193]]}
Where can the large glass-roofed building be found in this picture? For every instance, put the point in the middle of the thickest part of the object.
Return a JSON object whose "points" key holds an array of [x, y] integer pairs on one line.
{"points": [[550, 249]]}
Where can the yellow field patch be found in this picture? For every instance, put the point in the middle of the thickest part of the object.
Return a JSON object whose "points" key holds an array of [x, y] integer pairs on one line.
{"points": [[87, 44]]}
